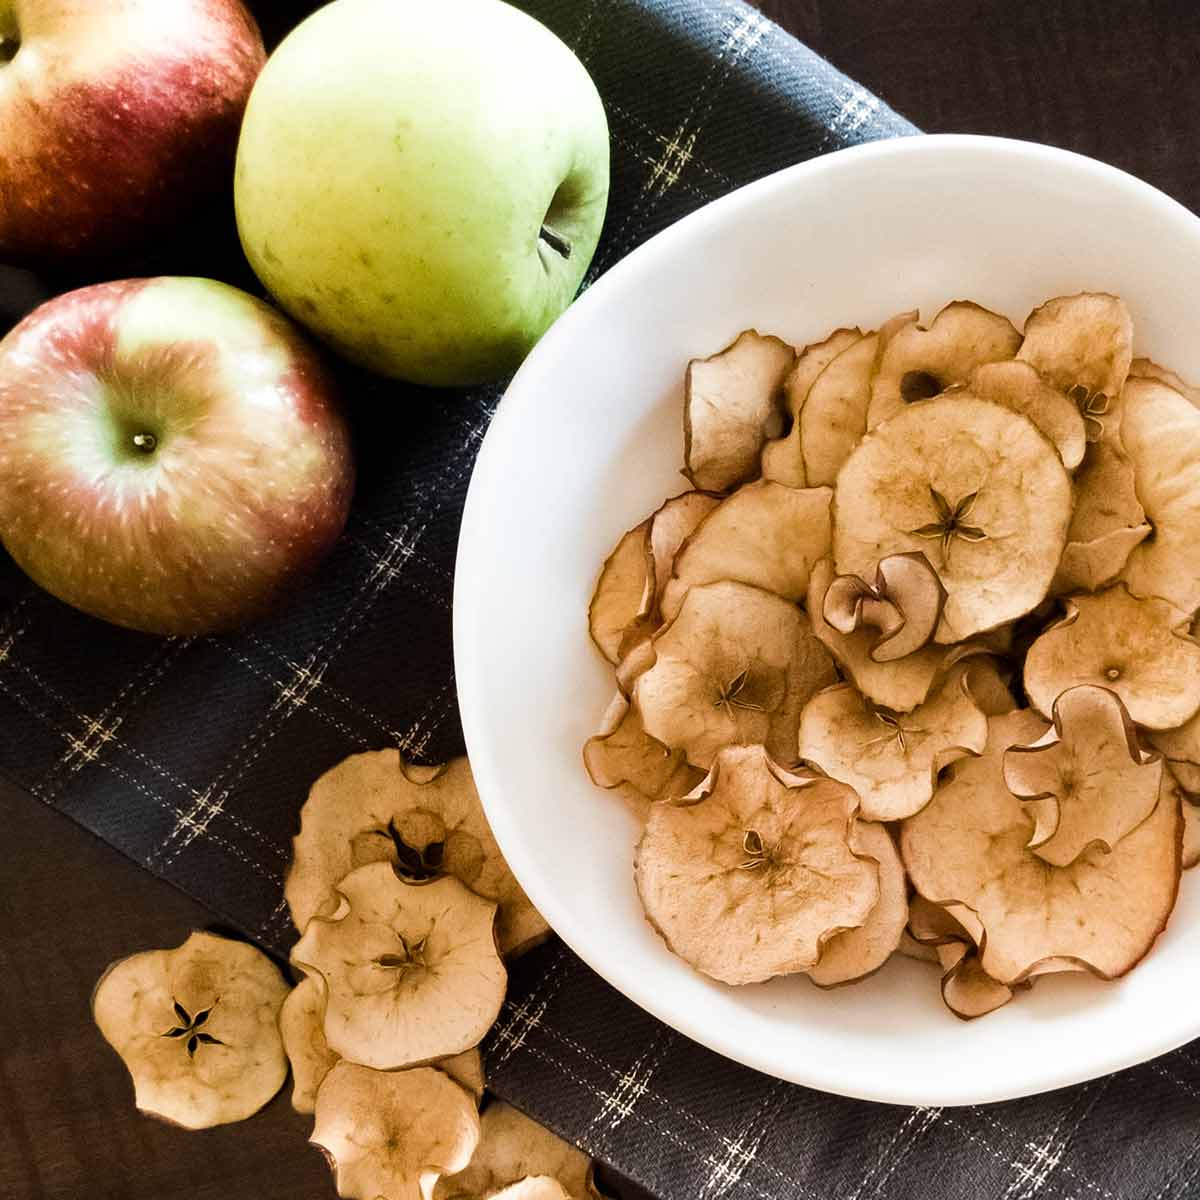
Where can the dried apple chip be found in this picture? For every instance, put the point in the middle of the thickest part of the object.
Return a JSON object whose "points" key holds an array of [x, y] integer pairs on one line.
{"points": [[988, 685], [302, 1027], [891, 759], [1161, 432], [834, 416], [899, 685], [196, 1027], [920, 363], [860, 952], [735, 666], [1083, 341], [973, 486], [1145, 368], [512, 1148], [765, 534], [393, 1133], [532, 1187], [624, 756], [1181, 748], [1018, 386], [625, 585], [375, 807], [783, 458], [731, 401], [1139, 649], [749, 876], [411, 970], [970, 845], [968, 991], [1088, 780], [904, 603]]}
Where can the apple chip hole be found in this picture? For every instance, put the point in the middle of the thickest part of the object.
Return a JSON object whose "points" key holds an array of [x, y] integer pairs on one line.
{"points": [[919, 385]]}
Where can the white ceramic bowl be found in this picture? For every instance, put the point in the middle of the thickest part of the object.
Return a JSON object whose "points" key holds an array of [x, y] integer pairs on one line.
{"points": [[588, 440]]}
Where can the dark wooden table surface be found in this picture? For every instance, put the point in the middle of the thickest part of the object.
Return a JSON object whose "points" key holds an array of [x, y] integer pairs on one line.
{"points": [[1116, 80]]}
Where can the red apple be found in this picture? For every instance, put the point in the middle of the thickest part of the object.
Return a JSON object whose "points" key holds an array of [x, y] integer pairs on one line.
{"points": [[172, 456], [114, 116]]}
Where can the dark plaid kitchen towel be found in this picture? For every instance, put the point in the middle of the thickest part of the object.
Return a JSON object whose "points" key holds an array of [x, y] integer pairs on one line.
{"points": [[193, 756]]}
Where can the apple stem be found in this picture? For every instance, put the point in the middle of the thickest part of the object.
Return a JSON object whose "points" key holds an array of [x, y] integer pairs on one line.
{"points": [[555, 243]]}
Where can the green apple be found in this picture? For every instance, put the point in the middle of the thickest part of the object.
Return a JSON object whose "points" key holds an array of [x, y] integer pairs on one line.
{"points": [[422, 183]]}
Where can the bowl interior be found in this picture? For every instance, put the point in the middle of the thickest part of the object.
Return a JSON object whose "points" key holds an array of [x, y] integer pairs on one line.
{"points": [[588, 441]]}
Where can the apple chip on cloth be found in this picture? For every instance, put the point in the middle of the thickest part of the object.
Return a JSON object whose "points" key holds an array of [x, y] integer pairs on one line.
{"points": [[972, 485], [513, 1148], [393, 1133], [750, 875], [969, 848], [731, 401], [375, 807], [410, 969], [197, 1029], [735, 666]]}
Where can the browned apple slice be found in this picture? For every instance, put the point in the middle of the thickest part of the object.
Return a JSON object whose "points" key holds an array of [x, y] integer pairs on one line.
{"points": [[1089, 781], [1139, 649], [899, 685], [891, 759], [973, 486], [904, 603], [302, 1027], [834, 416], [196, 1028], [732, 400], [1083, 341], [860, 952], [625, 587], [783, 458], [393, 1133], [428, 821], [624, 756], [512, 1147], [411, 970], [970, 845], [1181, 748], [765, 534], [920, 363], [753, 873], [1161, 432], [735, 666], [1018, 386], [968, 991], [1145, 368]]}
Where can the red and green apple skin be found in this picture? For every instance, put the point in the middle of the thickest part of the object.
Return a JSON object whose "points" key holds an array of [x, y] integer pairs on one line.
{"points": [[172, 455], [116, 116]]}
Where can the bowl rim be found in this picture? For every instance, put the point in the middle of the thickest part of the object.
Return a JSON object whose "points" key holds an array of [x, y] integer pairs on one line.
{"points": [[470, 588]]}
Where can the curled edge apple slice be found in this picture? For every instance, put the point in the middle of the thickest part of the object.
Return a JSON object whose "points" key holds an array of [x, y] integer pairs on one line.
{"points": [[512, 1148], [860, 952], [904, 603], [751, 874], [1087, 780], [392, 1133], [783, 458], [731, 402], [623, 590], [1017, 385]]}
